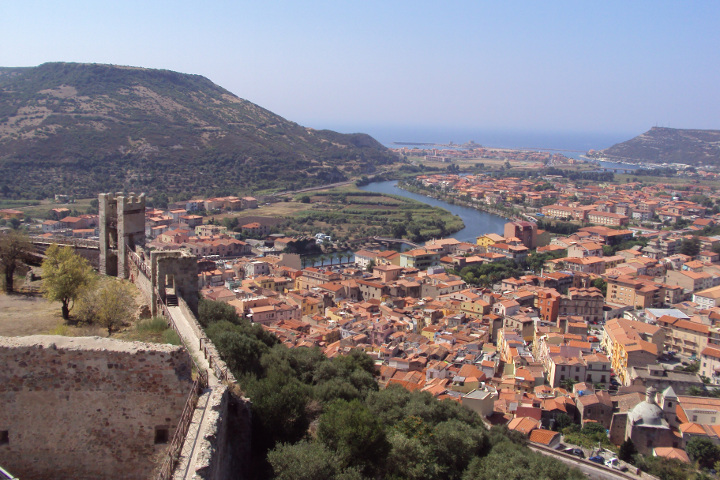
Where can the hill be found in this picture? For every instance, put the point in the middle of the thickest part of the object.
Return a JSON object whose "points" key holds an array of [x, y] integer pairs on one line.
{"points": [[86, 128], [667, 145]]}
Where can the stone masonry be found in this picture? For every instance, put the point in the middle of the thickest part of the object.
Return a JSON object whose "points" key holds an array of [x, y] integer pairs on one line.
{"points": [[122, 224], [175, 272], [88, 407]]}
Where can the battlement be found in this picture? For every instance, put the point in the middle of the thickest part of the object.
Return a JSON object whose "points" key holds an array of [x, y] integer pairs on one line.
{"points": [[131, 199]]}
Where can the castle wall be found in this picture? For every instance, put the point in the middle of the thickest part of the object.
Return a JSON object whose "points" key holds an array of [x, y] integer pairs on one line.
{"points": [[88, 407], [122, 223], [141, 281], [181, 267], [224, 450]]}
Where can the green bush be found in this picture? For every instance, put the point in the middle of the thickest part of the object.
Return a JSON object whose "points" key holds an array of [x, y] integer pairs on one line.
{"points": [[152, 325]]}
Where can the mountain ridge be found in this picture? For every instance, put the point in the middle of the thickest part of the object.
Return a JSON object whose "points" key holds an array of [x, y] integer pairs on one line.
{"points": [[84, 128], [667, 145]]}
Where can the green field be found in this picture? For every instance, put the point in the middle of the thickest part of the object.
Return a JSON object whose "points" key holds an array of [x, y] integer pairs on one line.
{"points": [[347, 213]]}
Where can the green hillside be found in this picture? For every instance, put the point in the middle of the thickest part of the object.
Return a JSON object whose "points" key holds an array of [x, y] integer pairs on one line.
{"points": [[86, 128]]}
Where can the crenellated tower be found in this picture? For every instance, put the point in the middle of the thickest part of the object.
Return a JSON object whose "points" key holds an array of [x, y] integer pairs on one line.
{"points": [[122, 226]]}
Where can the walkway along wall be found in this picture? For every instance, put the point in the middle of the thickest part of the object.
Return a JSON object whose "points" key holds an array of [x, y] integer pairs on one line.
{"points": [[220, 429]]}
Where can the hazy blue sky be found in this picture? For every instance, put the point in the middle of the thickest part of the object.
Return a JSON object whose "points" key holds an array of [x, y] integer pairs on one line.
{"points": [[536, 66]]}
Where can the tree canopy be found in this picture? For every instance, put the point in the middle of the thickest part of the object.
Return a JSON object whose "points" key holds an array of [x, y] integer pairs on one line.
{"points": [[65, 274], [703, 451], [108, 302], [14, 247], [319, 417]]}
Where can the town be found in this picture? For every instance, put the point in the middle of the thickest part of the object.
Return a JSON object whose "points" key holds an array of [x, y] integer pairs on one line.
{"points": [[616, 324]]}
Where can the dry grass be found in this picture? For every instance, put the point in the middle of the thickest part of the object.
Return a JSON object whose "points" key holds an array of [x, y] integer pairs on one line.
{"points": [[30, 314]]}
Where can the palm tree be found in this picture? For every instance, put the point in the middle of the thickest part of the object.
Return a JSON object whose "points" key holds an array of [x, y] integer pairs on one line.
{"points": [[567, 384]]}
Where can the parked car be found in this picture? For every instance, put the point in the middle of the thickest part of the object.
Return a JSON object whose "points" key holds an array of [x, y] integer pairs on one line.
{"points": [[575, 451], [615, 463], [597, 459]]}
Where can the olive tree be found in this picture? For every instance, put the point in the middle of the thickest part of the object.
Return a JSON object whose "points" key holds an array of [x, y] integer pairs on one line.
{"points": [[65, 275]]}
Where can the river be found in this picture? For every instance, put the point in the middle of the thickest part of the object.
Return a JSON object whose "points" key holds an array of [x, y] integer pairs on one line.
{"points": [[477, 223]]}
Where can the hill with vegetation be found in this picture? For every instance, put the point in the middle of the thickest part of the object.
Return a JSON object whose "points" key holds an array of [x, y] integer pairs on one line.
{"points": [[86, 128], [667, 145]]}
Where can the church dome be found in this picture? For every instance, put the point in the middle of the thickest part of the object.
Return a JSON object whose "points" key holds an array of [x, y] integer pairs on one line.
{"points": [[647, 412]]}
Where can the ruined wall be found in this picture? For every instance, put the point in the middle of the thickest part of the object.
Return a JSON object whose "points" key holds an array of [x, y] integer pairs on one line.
{"points": [[88, 407]]}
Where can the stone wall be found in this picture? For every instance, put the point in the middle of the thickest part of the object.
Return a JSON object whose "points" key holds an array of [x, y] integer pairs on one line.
{"points": [[224, 448], [176, 269], [141, 280], [88, 407], [208, 348], [122, 222]]}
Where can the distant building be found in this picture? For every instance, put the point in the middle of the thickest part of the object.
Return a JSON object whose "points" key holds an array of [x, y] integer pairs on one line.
{"points": [[525, 231]]}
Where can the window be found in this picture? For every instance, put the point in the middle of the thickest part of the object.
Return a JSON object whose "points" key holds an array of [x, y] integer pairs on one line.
{"points": [[162, 434], [4, 437]]}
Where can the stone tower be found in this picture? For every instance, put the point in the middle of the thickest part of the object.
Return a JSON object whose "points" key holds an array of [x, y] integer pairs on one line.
{"points": [[174, 274], [122, 225]]}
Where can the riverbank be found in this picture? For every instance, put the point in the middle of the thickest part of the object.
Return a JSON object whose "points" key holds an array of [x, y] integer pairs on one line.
{"points": [[349, 214], [456, 200], [477, 222]]}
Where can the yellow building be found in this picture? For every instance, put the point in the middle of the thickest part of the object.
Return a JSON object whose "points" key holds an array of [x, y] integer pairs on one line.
{"points": [[631, 344], [490, 239]]}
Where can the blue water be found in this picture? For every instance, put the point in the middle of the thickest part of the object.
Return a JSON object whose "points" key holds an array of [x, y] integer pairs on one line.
{"points": [[619, 167], [581, 142], [477, 223]]}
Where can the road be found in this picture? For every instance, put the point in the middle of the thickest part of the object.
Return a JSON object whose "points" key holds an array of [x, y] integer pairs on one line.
{"points": [[590, 469]]}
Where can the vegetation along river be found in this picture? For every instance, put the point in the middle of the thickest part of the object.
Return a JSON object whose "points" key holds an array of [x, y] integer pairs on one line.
{"points": [[477, 223]]}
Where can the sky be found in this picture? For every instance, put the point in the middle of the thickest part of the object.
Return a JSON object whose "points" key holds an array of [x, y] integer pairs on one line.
{"points": [[604, 67]]}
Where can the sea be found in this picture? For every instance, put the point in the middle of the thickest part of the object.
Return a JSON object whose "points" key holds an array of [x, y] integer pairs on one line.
{"points": [[571, 144], [478, 222]]}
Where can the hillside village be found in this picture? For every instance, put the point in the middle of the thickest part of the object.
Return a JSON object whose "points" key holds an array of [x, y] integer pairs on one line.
{"points": [[610, 329]]}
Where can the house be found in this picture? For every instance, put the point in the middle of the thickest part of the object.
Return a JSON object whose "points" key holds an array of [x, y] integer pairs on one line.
{"points": [[606, 218], [480, 401], [489, 239], [710, 364], [595, 407], [629, 344], [524, 425], [544, 437], [255, 229], [419, 258], [708, 298]]}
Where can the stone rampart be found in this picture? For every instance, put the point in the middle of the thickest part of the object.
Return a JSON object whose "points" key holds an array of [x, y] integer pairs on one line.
{"points": [[224, 448], [88, 407], [207, 347]]}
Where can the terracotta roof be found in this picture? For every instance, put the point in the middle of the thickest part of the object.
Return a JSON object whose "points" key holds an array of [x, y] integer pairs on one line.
{"points": [[670, 452], [542, 436], [523, 424]]}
